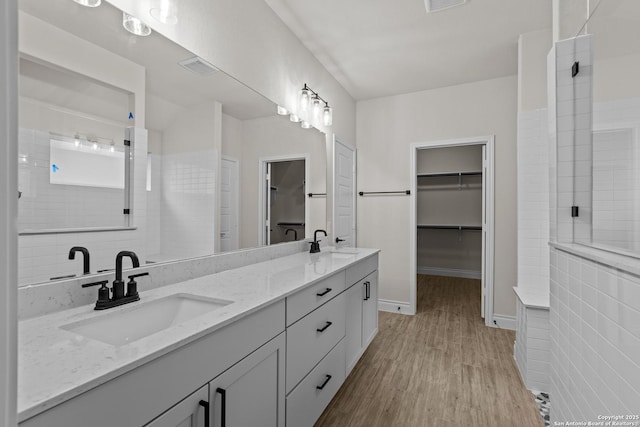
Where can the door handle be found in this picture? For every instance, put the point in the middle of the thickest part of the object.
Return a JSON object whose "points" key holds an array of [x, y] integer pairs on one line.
{"points": [[324, 383], [207, 407], [223, 406], [338, 240]]}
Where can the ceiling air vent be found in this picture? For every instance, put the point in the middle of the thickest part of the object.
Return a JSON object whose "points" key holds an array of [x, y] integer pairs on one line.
{"points": [[198, 66], [437, 5]]}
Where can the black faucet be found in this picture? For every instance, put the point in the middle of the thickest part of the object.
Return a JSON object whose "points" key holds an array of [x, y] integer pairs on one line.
{"points": [[295, 233], [85, 257], [315, 245], [118, 296]]}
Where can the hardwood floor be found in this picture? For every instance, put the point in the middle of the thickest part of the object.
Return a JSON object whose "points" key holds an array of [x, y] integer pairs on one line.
{"points": [[441, 367]]}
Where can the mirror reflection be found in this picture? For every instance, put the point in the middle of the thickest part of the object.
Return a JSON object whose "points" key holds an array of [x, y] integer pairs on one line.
{"points": [[130, 142]]}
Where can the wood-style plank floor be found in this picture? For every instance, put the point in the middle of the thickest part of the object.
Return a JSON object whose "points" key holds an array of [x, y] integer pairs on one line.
{"points": [[442, 367]]}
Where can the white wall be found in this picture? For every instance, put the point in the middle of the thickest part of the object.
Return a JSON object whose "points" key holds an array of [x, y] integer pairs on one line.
{"points": [[385, 129], [9, 211]]}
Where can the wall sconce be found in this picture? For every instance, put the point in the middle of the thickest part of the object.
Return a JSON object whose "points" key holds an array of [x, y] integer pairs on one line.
{"points": [[308, 99], [134, 25], [89, 3]]}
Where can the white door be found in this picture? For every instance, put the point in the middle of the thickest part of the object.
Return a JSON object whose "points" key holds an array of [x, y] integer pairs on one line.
{"points": [[485, 228], [229, 205], [344, 190]]}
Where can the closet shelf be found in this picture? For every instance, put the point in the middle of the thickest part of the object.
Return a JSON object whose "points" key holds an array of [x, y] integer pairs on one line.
{"points": [[469, 173], [449, 227]]}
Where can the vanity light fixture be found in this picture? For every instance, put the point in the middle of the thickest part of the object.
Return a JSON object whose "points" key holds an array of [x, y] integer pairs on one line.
{"points": [[76, 141], [134, 25], [165, 11], [282, 111], [89, 3], [294, 118], [305, 125], [310, 100]]}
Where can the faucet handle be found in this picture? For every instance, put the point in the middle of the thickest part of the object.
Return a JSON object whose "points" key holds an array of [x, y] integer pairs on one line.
{"points": [[100, 283], [133, 276]]}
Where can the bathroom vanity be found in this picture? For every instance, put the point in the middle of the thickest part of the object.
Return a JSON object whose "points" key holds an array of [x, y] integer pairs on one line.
{"points": [[267, 344]]}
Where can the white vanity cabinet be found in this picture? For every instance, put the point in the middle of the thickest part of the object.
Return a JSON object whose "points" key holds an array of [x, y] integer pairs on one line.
{"points": [[362, 315]]}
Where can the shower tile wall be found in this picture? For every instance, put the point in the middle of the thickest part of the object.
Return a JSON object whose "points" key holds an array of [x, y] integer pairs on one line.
{"points": [[43, 256], [533, 201], [595, 339]]}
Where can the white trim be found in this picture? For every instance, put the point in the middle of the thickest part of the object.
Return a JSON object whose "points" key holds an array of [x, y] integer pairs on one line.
{"points": [[8, 212], [237, 190], [488, 190], [354, 227], [394, 306], [504, 322], [262, 170], [450, 272]]}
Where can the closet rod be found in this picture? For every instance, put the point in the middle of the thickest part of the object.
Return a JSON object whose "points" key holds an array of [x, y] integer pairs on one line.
{"points": [[450, 174], [403, 192], [317, 194], [451, 227]]}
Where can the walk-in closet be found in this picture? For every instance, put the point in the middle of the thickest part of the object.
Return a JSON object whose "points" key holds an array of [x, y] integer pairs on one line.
{"points": [[449, 207]]}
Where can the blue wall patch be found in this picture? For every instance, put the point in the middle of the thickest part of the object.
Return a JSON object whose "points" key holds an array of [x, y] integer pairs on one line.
{"points": [[130, 115], [54, 168]]}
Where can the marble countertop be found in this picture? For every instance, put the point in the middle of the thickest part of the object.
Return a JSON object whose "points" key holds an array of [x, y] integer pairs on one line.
{"points": [[532, 297], [55, 365]]}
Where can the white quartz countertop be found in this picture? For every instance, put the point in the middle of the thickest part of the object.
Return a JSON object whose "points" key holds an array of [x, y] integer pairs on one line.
{"points": [[55, 365], [532, 297]]}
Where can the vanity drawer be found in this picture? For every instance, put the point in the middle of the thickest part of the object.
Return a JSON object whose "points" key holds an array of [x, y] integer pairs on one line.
{"points": [[361, 269], [307, 401], [311, 338], [309, 299]]}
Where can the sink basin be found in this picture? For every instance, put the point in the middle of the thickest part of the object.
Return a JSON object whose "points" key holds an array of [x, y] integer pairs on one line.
{"points": [[351, 251], [126, 326]]}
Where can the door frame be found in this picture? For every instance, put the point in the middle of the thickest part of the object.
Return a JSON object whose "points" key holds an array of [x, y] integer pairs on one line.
{"points": [[262, 171], [334, 189], [237, 190], [488, 193]]}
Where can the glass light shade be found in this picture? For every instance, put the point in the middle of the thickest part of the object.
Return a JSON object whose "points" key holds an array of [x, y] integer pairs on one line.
{"points": [[282, 111], [327, 116], [134, 25], [317, 107], [89, 3], [304, 99], [165, 11], [294, 118], [305, 125]]}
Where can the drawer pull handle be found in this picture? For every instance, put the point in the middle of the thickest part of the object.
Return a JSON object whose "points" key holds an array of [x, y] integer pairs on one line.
{"points": [[223, 406], [206, 407], [324, 383], [368, 290], [324, 328], [321, 294]]}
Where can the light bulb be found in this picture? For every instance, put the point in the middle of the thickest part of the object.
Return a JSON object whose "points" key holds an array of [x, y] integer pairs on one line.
{"points": [[294, 118], [282, 111], [134, 25], [95, 145], [89, 3], [76, 142], [165, 12], [316, 106], [305, 125], [112, 149], [305, 98], [327, 115]]}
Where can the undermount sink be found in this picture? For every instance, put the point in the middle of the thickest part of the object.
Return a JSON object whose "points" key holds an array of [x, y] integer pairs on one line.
{"points": [[344, 251], [125, 326]]}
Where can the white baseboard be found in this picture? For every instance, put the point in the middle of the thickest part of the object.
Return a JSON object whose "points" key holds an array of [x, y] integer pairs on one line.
{"points": [[505, 322], [394, 307], [450, 272]]}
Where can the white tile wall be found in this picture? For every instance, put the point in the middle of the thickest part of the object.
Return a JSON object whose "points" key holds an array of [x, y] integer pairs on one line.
{"points": [[532, 347], [595, 339]]}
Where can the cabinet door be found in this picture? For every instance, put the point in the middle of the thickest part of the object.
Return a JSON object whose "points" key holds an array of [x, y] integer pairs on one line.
{"points": [[251, 393], [370, 310], [353, 341], [188, 413]]}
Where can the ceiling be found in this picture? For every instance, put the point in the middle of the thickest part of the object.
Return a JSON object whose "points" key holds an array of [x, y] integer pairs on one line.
{"points": [[377, 48]]}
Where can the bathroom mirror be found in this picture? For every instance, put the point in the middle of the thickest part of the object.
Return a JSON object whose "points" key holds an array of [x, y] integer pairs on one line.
{"points": [[210, 166]]}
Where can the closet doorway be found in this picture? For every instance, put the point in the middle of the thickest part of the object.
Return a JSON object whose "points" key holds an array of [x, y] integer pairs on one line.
{"points": [[451, 214], [283, 209]]}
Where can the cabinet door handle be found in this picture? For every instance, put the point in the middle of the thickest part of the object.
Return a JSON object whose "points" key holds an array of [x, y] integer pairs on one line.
{"points": [[324, 328], [324, 383], [206, 407], [368, 290], [321, 294], [223, 406]]}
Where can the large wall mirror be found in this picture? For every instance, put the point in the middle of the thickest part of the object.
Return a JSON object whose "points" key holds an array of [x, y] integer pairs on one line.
{"points": [[131, 142]]}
